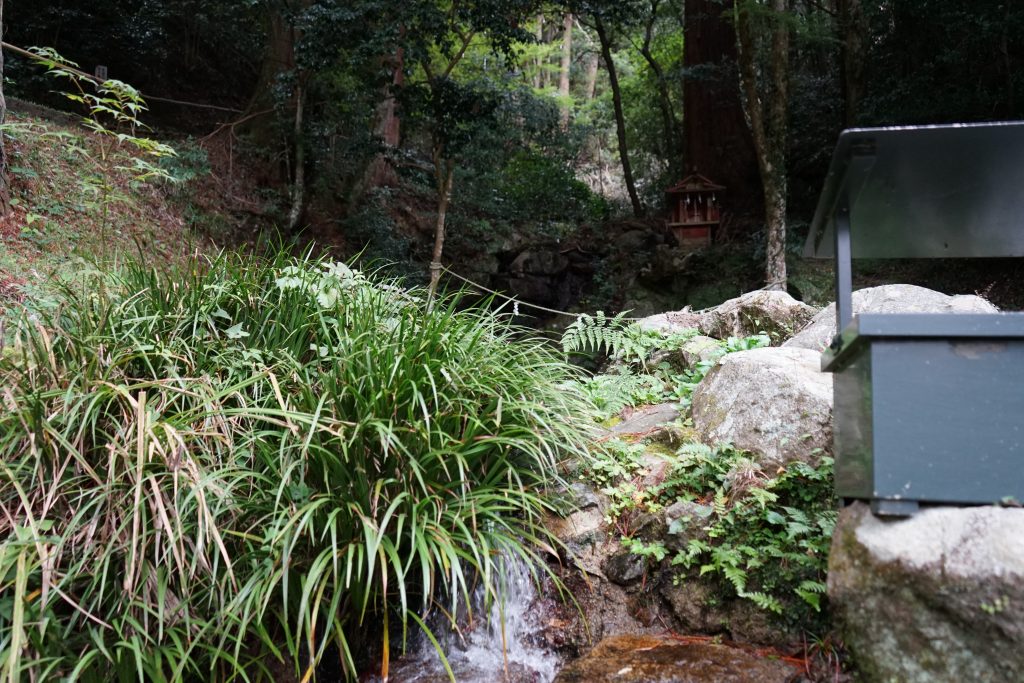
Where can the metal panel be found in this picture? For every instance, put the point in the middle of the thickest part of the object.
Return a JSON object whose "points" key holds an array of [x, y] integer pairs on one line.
{"points": [[926, 191], [947, 420]]}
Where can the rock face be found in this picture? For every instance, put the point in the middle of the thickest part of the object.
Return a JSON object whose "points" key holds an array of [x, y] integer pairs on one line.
{"points": [[648, 659], [583, 530], [647, 422], [699, 348], [776, 313], [774, 402], [673, 321], [700, 609], [934, 598], [886, 299]]}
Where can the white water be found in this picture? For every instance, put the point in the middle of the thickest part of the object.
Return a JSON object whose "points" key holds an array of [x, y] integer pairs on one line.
{"points": [[481, 653]]}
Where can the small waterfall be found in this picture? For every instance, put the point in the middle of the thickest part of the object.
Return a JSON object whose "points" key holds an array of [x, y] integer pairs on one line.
{"points": [[485, 652]]}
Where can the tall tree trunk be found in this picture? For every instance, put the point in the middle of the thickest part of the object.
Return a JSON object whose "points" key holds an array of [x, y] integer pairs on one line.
{"points": [[669, 122], [444, 174], [564, 69], [766, 113], [716, 139], [387, 127], [853, 31], [5, 180], [538, 62], [299, 181], [590, 86], [278, 58], [620, 119]]}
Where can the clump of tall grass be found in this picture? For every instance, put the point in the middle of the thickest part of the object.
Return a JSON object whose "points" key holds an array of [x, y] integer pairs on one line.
{"points": [[205, 474]]}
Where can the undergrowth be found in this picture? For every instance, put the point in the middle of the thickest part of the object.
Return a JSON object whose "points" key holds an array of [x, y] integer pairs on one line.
{"points": [[767, 534], [759, 536], [644, 366], [249, 462]]}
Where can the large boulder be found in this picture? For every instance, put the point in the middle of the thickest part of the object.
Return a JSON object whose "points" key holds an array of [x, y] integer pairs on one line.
{"points": [[886, 299], [773, 312], [673, 322], [936, 597], [774, 402]]}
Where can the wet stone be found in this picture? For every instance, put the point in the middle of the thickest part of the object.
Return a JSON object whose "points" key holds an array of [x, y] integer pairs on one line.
{"points": [[648, 659], [624, 568], [646, 421]]}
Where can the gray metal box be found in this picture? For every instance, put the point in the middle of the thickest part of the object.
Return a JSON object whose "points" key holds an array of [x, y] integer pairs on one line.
{"points": [[929, 408]]}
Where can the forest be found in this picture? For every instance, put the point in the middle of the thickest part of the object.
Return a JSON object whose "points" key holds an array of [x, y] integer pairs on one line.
{"points": [[320, 320], [528, 146]]}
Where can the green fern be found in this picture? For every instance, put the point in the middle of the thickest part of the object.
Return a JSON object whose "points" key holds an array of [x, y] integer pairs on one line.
{"points": [[594, 333], [763, 600]]}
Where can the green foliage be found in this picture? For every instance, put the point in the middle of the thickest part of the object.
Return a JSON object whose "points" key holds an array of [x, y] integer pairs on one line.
{"points": [[595, 333], [654, 550], [252, 461], [611, 393], [619, 339], [190, 162], [635, 379], [112, 114], [544, 189], [768, 537], [617, 460], [376, 233]]}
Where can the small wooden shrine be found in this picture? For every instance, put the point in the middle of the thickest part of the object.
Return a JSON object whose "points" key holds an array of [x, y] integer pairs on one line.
{"points": [[694, 210]]}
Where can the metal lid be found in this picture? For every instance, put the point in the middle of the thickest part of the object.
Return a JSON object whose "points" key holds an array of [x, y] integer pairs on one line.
{"points": [[925, 191]]}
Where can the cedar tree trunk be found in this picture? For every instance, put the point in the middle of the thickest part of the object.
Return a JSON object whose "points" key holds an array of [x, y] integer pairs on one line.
{"points": [[766, 112], [716, 138], [620, 119]]}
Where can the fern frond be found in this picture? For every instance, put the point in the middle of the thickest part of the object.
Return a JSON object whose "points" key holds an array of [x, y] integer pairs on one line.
{"points": [[595, 333]]}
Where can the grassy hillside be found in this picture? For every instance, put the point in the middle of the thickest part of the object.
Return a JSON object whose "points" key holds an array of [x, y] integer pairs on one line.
{"points": [[80, 199]]}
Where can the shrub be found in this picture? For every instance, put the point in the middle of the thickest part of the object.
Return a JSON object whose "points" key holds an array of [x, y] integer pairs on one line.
{"points": [[253, 461], [768, 537]]}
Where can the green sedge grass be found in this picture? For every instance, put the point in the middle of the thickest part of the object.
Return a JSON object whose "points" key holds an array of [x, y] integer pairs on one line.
{"points": [[251, 462]]}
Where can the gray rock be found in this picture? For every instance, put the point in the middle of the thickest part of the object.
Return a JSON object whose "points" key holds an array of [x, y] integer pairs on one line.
{"points": [[625, 568], [685, 521], [656, 467], [539, 262], [698, 608], [936, 597], [636, 240], [650, 659], [647, 422], [818, 333], [773, 402], [584, 497], [700, 348], [672, 322], [583, 530], [536, 288], [773, 312]]}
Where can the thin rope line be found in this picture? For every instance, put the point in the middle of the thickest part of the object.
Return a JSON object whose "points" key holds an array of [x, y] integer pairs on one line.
{"points": [[515, 301], [94, 79], [435, 265]]}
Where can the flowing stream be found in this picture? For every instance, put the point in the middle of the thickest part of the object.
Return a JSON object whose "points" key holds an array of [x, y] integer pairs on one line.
{"points": [[486, 651]]}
